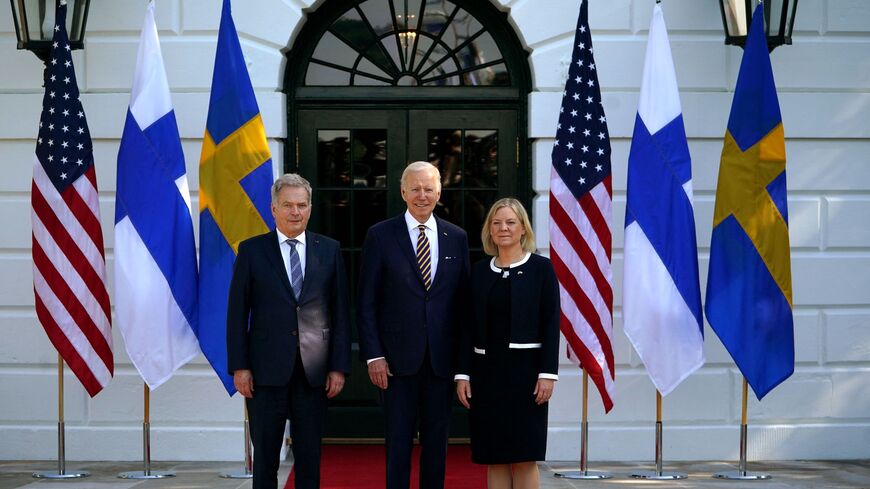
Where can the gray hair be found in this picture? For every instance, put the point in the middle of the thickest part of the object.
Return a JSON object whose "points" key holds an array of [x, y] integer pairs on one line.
{"points": [[290, 180], [421, 166]]}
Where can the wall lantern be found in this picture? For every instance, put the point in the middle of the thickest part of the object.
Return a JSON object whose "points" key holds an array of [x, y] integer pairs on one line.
{"points": [[778, 21], [34, 20]]}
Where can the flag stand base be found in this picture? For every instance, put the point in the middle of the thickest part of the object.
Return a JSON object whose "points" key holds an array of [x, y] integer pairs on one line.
{"points": [[151, 474], [741, 475], [57, 475], [653, 475], [584, 475]]}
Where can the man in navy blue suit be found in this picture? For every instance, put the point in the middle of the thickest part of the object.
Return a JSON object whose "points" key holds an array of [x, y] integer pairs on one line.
{"points": [[288, 334], [414, 271]]}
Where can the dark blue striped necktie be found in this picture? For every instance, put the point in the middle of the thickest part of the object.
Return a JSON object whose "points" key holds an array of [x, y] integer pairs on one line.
{"points": [[295, 268]]}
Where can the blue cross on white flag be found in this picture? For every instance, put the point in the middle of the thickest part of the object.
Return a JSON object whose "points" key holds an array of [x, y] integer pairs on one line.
{"points": [[662, 298], [155, 256]]}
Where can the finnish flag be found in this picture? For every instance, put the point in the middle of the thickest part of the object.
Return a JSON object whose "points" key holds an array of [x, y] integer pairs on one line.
{"points": [[155, 255], [661, 294]]}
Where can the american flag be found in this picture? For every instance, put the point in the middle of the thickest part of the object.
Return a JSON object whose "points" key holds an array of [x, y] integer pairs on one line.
{"points": [[69, 265], [581, 199]]}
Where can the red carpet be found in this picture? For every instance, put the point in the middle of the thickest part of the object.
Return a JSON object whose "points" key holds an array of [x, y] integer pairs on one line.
{"points": [[363, 467]]}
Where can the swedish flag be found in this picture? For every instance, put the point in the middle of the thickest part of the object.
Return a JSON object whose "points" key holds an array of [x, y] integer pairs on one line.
{"points": [[749, 299], [235, 175]]}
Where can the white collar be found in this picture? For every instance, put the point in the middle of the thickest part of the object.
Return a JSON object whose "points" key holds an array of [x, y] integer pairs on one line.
{"points": [[522, 261], [413, 224], [282, 238]]}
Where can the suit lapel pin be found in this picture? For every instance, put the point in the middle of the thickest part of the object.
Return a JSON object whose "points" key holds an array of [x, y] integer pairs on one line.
{"points": [[520, 272]]}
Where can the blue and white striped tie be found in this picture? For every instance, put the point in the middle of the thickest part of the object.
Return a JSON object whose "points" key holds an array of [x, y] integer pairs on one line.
{"points": [[295, 268]]}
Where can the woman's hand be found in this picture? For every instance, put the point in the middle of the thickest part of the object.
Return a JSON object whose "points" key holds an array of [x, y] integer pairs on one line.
{"points": [[543, 390], [463, 392]]}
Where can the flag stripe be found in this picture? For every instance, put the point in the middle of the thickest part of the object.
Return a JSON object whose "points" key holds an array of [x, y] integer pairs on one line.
{"points": [[80, 199], [66, 255], [571, 235], [588, 322], [66, 219], [576, 279], [61, 342], [579, 220], [595, 207], [601, 377], [77, 311], [65, 330], [52, 255]]}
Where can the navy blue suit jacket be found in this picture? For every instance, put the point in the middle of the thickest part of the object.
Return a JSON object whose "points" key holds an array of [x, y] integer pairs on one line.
{"points": [[396, 316], [267, 326]]}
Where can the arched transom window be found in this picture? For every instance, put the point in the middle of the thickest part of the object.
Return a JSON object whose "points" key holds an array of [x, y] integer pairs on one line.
{"points": [[407, 43]]}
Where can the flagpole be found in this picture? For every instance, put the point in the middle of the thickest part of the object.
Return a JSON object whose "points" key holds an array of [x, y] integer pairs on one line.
{"points": [[248, 472], [584, 473], [658, 474], [61, 441], [741, 473], [146, 472]]}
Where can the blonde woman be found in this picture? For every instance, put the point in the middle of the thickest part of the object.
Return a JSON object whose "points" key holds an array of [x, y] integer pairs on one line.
{"points": [[509, 351]]}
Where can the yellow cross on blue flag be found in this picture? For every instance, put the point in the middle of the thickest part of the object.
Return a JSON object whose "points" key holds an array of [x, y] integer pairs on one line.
{"points": [[749, 299], [235, 176]]}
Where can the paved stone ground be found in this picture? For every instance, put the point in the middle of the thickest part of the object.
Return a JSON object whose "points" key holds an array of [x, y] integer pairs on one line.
{"points": [[204, 475]]}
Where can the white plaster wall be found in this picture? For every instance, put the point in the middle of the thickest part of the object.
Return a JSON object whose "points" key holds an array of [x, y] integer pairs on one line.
{"points": [[823, 411]]}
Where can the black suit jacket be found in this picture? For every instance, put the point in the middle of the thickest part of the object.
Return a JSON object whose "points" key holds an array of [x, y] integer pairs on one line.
{"points": [[265, 322], [396, 316], [534, 311]]}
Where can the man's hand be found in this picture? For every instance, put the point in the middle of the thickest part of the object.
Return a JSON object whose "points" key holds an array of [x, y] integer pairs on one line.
{"points": [[463, 392], [378, 373], [334, 384], [543, 390], [244, 382]]}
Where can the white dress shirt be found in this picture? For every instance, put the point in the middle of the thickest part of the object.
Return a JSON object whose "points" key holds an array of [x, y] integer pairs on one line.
{"points": [[285, 252], [431, 235]]}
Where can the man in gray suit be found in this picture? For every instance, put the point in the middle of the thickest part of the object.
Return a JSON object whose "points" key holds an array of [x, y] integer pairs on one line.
{"points": [[288, 333]]}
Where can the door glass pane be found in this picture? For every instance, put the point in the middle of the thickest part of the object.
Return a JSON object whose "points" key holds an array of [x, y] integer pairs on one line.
{"points": [[477, 204], [333, 150], [367, 67], [334, 50], [449, 206], [481, 158], [377, 12], [332, 213], [369, 208], [370, 158], [319, 75], [495, 75], [435, 16], [445, 152]]}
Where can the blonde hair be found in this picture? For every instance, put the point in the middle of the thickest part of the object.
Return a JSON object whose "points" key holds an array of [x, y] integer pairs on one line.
{"points": [[528, 239]]}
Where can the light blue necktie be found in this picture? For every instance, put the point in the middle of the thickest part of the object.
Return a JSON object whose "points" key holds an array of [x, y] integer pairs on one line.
{"points": [[295, 268]]}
